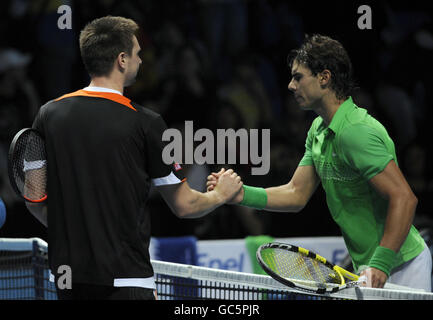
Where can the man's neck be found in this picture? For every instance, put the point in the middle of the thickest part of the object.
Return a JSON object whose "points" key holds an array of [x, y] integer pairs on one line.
{"points": [[105, 82], [327, 107]]}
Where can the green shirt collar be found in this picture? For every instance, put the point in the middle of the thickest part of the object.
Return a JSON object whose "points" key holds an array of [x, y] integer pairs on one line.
{"points": [[342, 111]]}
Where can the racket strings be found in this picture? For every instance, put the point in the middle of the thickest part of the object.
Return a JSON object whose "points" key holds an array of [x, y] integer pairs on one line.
{"points": [[29, 166], [296, 266]]}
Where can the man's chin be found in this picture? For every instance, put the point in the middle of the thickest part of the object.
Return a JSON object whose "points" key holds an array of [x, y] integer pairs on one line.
{"points": [[304, 106]]}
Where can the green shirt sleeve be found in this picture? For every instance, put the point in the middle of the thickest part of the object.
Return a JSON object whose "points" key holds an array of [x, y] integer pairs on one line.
{"points": [[366, 149], [307, 159]]}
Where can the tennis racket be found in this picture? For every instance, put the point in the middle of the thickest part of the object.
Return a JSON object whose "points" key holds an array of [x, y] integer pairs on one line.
{"points": [[300, 268], [27, 165]]}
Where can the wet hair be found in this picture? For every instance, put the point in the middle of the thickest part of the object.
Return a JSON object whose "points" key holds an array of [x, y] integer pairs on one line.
{"points": [[102, 40], [318, 53]]}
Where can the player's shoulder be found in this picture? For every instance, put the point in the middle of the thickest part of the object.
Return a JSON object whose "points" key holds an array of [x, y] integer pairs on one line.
{"points": [[359, 121], [359, 116], [149, 118], [146, 112], [51, 104], [47, 106], [362, 133]]}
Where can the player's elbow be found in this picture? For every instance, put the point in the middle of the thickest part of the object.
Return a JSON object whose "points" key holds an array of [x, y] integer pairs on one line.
{"points": [[406, 198], [181, 213], [299, 203], [295, 207], [412, 199], [194, 206], [184, 208], [298, 208]]}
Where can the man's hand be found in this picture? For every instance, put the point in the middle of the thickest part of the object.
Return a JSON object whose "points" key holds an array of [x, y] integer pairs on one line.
{"points": [[375, 278], [228, 185], [213, 180]]}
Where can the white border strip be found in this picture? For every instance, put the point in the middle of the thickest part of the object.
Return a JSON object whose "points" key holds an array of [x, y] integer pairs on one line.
{"points": [[148, 283], [102, 89], [170, 179]]}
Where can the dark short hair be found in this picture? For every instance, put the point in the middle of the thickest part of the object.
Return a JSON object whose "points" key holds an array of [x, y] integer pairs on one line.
{"points": [[318, 53], [102, 40]]}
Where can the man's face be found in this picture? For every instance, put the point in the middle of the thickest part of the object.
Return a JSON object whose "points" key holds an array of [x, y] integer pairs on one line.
{"points": [[305, 86], [133, 64]]}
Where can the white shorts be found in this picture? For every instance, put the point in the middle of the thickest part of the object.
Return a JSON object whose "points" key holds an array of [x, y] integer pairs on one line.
{"points": [[415, 273]]}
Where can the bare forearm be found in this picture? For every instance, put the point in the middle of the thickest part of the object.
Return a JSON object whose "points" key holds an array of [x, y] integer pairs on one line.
{"points": [[401, 210], [283, 199], [199, 204], [39, 211], [291, 197], [186, 202]]}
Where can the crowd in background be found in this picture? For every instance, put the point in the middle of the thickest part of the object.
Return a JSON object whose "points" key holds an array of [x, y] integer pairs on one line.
{"points": [[222, 64]]}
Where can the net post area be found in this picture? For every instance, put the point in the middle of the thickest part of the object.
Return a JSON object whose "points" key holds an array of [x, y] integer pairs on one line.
{"points": [[38, 265]]}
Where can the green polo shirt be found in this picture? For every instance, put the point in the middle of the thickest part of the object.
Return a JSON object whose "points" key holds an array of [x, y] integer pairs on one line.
{"points": [[346, 155]]}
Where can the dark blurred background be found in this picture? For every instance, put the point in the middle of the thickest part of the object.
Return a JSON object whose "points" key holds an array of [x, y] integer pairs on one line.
{"points": [[222, 64]]}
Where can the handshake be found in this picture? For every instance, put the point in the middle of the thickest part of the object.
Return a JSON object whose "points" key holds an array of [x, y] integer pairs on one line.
{"points": [[228, 184]]}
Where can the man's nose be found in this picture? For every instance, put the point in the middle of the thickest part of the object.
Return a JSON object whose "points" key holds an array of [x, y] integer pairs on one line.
{"points": [[291, 86]]}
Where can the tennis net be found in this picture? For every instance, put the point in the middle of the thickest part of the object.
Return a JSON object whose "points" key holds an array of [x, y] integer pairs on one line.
{"points": [[24, 274]]}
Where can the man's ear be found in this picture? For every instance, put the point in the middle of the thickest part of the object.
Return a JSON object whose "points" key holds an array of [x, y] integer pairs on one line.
{"points": [[121, 60], [325, 78]]}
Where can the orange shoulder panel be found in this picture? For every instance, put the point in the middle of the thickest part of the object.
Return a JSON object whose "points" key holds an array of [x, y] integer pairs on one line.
{"points": [[96, 94]]}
